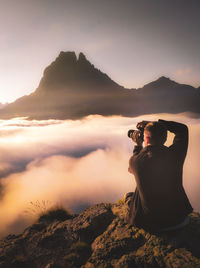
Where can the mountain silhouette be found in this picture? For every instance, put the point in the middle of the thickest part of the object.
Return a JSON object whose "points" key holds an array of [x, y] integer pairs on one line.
{"points": [[71, 87], [68, 70]]}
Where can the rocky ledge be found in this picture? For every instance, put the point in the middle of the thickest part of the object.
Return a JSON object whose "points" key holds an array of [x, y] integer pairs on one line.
{"points": [[99, 237]]}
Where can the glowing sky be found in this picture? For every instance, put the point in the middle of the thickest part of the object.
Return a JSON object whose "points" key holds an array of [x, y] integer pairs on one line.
{"points": [[133, 41]]}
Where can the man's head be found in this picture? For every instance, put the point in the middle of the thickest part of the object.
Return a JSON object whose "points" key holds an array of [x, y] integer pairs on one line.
{"points": [[155, 133]]}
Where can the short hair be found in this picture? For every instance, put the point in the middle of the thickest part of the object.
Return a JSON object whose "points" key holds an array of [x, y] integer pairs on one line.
{"points": [[158, 132]]}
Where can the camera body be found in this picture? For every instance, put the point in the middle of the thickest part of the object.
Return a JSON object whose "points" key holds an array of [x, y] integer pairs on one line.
{"points": [[139, 132]]}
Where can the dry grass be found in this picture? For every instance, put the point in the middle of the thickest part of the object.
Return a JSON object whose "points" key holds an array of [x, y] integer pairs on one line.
{"points": [[46, 211], [34, 209], [55, 213]]}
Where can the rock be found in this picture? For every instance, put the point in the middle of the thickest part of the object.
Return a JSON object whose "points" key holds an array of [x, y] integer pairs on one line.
{"points": [[55, 244], [100, 237], [123, 245]]}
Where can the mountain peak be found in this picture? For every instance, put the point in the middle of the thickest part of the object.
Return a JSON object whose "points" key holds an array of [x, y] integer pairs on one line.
{"points": [[70, 70], [162, 82], [84, 63], [69, 56], [82, 57], [166, 81], [164, 78]]}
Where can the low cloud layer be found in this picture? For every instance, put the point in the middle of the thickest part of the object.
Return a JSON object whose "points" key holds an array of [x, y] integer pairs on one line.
{"points": [[74, 163]]}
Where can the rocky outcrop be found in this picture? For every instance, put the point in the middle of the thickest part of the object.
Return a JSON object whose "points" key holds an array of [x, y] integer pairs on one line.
{"points": [[99, 237]]}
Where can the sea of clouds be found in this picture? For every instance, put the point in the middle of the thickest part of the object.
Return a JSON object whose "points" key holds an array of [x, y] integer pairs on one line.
{"points": [[75, 163]]}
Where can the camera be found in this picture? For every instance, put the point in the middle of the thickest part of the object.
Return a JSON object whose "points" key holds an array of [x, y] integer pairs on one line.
{"points": [[139, 132]]}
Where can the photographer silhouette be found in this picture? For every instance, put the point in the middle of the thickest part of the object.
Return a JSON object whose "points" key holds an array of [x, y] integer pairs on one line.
{"points": [[159, 201]]}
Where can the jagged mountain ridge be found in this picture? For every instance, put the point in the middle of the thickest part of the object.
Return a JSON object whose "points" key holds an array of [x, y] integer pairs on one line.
{"points": [[71, 87], [99, 237], [73, 71]]}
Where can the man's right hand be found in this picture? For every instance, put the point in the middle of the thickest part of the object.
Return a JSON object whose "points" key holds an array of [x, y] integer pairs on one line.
{"points": [[136, 137]]}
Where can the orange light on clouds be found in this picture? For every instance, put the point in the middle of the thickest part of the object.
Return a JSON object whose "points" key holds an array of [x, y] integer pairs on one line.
{"points": [[55, 171]]}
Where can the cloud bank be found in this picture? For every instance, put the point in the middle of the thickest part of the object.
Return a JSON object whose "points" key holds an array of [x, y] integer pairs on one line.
{"points": [[75, 163]]}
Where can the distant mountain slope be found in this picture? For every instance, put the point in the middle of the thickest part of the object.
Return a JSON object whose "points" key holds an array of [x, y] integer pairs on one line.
{"points": [[165, 95], [71, 87]]}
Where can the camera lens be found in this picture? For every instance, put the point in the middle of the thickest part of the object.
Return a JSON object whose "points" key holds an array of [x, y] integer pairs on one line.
{"points": [[130, 132]]}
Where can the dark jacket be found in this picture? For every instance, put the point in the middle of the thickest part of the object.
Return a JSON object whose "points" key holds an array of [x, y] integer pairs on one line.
{"points": [[160, 200]]}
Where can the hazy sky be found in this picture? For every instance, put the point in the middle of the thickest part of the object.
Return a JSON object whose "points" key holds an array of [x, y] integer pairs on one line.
{"points": [[133, 41]]}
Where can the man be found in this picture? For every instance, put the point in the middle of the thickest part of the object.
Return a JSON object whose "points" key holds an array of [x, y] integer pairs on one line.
{"points": [[159, 201]]}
